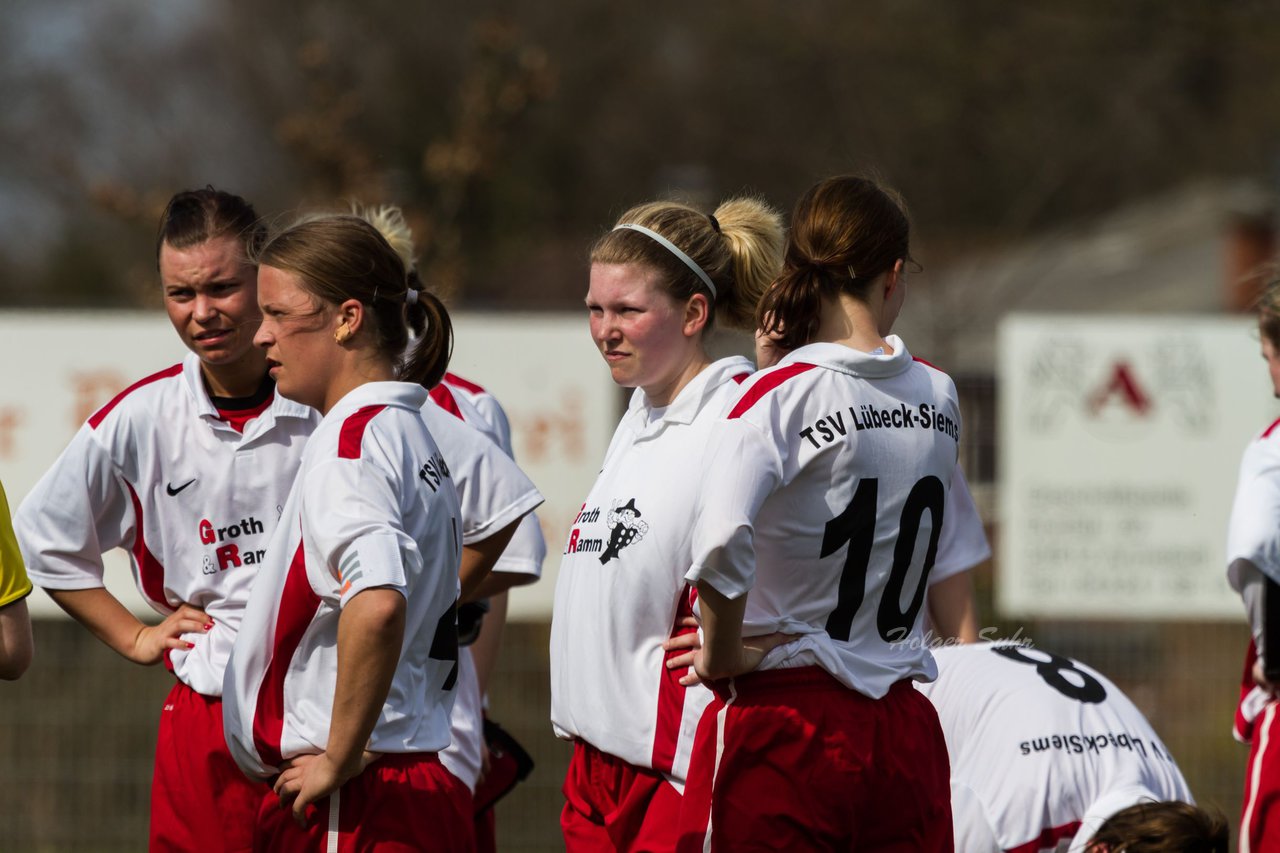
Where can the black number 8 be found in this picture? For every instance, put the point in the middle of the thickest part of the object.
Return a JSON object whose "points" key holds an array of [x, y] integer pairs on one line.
{"points": [[1090, 690]]}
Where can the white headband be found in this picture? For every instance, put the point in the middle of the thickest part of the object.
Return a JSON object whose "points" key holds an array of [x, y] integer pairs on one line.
{"points": [[671, 247]]}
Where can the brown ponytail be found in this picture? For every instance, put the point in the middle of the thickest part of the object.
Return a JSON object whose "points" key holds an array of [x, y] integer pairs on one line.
{"points": [[340, 257], [845, 233]]}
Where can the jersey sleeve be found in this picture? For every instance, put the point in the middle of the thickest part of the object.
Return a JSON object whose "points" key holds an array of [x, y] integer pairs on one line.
{"points": [[963, 543], [351, 512], [79, 510], [14, 584], [742, 470], [493, 493], [1253, 532]]}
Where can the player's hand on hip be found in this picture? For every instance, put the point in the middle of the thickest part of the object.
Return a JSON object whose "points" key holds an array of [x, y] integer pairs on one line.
{"points": [[753, 652], [152, 641], [687, 644]]}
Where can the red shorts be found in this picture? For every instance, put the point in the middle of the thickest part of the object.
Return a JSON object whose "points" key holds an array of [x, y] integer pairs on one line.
{"points": [[200, 799], [612, 805], [793, 760], [400, 804]]}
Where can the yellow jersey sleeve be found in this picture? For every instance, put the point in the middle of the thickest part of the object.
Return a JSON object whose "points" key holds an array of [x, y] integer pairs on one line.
{"points": [[14, 584]]}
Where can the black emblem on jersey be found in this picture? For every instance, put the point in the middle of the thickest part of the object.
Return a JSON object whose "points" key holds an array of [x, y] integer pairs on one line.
{"points": [[172, 491], [627, 527]]}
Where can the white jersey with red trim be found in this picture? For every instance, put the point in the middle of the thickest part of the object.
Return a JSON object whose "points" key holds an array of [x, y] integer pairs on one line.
{"points": [[478, 408], [156, 472], [621, 588], [492, 492], [1043, 748], [373, 506], [823, 496], [486, 405], [492, 489]]}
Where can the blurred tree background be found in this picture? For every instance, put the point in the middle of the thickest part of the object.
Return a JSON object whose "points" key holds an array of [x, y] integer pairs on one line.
{"points": [[513, 133]]}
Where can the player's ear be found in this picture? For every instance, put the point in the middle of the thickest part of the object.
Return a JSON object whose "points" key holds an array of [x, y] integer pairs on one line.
{"points": [[697, 311], [350, 314]]}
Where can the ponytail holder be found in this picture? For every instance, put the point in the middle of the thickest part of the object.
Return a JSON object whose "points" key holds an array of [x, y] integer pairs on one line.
{"points": [[410, 297], [715, 223], [673, 249]]}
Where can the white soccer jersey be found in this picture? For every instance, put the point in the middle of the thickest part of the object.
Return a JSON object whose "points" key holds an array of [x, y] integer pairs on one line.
{"points": [[492, 490], [1254, 530], [823, 496], [478, 408], [194, 501], [1043, 748], [464, 757], [373, 506], [621, 588]]}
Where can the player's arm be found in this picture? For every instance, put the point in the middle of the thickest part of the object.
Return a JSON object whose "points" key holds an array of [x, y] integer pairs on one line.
{"points": [[112, 623], [16, 643], [78, 511], [478, 560], [951, 608]]}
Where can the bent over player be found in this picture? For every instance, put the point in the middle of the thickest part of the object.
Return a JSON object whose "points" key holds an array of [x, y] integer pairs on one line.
{"points": [[1044, 750], [187, 469]]}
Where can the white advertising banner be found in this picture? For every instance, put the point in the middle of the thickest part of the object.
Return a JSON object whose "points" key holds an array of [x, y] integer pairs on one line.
{"points": [[61, 367], [1120, 439]]}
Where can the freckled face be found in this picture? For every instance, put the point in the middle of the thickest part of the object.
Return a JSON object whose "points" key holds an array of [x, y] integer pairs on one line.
{"points": [[638, 327], [296, 333]]}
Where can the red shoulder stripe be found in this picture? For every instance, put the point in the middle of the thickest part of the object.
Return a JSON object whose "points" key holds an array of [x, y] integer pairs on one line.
{"points": [[98, 416], [459, 382], [1270, 429], [352, 434], [444, 399], [767, 383], [927, 364], [740, 377]]}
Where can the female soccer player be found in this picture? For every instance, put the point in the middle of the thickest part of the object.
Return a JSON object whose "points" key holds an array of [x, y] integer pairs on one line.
{"points": [[820, 510], [1044, 750], [186, 469], [659, 280], [348, 646], [1253, 569]]}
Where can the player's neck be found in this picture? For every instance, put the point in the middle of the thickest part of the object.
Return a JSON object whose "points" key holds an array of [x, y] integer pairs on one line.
{"points": [[239, 378], [852, 323]]}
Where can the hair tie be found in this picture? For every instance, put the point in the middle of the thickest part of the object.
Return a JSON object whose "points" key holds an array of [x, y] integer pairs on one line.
{"points": [[715, 223], [411, 296], [673, 249]]}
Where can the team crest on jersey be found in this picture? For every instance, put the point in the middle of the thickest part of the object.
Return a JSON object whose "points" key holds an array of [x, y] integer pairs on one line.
{"points": [[625, 528]]}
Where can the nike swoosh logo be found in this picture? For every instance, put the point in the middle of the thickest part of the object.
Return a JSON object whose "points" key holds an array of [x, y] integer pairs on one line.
{"points": [[172, 491]]}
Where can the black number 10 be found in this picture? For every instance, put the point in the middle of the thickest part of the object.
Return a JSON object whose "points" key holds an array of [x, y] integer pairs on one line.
{"points": [[857, 526]]}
